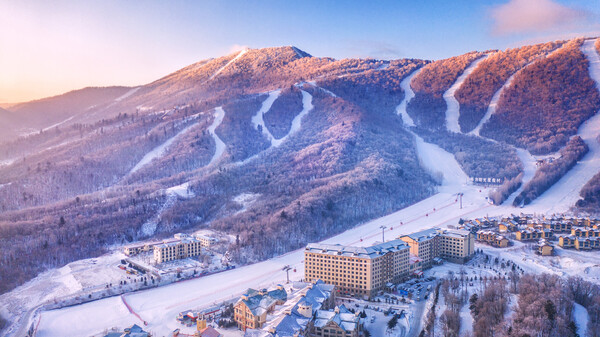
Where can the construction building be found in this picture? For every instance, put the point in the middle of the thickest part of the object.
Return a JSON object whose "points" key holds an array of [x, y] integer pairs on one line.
{"points": [[357, 271]]}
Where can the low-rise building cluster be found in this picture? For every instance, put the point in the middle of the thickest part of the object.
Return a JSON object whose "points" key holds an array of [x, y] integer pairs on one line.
{"points": [[180, 246], [309, 311]]}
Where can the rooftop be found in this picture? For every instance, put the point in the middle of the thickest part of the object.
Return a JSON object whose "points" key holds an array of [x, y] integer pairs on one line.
{"points": [[362, 252]]}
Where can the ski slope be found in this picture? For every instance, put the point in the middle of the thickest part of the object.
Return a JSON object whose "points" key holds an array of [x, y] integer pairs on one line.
{"points": [[408, 95], [159, 151], [219, 144], [494, 104], [258, 119], [307, 106], [228, 63], [453, 107], [565, 193]]}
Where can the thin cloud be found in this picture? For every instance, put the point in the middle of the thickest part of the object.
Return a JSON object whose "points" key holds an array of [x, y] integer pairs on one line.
{"points": [[236, 47], [534, 16], [375, 49]]}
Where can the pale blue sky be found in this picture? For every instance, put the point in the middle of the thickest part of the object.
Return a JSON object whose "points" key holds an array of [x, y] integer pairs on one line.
{"points": [[49, 47]]}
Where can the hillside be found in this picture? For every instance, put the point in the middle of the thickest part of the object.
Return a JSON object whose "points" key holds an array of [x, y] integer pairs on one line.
{"points": [[316, 143]]}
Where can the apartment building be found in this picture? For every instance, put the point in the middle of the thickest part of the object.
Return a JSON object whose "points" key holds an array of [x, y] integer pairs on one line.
{"points": [[250, 311], [175, 249], [357, 271], [454, 245]]}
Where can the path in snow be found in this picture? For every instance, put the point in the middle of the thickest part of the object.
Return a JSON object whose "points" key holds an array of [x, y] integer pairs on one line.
{"points": [[408, 95], [159, 151], [258, 119], [581, 317], [452, 104], [565, 193], [529, 167], [219, 145], [314, 84], [229, 63]]}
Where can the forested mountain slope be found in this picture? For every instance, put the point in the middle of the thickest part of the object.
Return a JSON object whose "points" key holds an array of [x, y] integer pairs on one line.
{"points": [[315, 141]]}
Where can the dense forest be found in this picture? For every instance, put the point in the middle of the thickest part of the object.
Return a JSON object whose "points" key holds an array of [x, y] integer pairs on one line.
{"points": [[428, 108], [546, 102], [550, 173], [490, 75], [590, 195]]}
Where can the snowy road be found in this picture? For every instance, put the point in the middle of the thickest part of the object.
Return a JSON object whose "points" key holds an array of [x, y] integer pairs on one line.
{"points": [[453, 107]]}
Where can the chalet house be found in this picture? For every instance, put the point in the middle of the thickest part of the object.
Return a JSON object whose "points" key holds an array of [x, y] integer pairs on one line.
{"points": [[545, 248], [492, 238], [532, 234], [250, 311], [337, 323], [585, 232], [566, 241]]}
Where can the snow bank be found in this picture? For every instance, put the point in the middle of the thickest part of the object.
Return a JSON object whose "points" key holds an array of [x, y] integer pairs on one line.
{"points": [[181, 190], [453, 106]]}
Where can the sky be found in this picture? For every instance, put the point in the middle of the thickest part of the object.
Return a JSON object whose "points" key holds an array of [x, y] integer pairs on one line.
{"points": [[51, 47]]}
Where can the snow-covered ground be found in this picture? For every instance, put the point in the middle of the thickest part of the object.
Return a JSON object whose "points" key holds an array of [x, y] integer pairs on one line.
{"points": [[245, 200], [452, 104], [219, 145], [127, 94], [408, 95], [158, 151], [563, 194], [307, 106], [581, 318]]}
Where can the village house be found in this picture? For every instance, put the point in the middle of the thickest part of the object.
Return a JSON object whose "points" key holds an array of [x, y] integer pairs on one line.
{"points": [[492, 238], [337, 323], [545, 248], [250, 311], [296, 316], [532, 234]]}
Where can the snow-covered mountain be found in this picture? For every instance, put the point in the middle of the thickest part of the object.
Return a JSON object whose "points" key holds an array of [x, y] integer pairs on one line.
{"points": [[321, 144]]}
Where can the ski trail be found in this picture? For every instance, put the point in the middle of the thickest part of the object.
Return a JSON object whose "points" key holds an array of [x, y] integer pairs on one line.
{"points": [[529, 168], [314, 84], [127, 94], [452, 104], [219, 145], [258, 120], [159, 151], [494, 104], [229, 63], [431, 157], [565, 193], [409, 94], [307, 106]]}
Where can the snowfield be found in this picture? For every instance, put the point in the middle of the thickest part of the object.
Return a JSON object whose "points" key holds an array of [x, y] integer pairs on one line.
{"points": [[258, 119], [229, 63], [453, 106]]}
